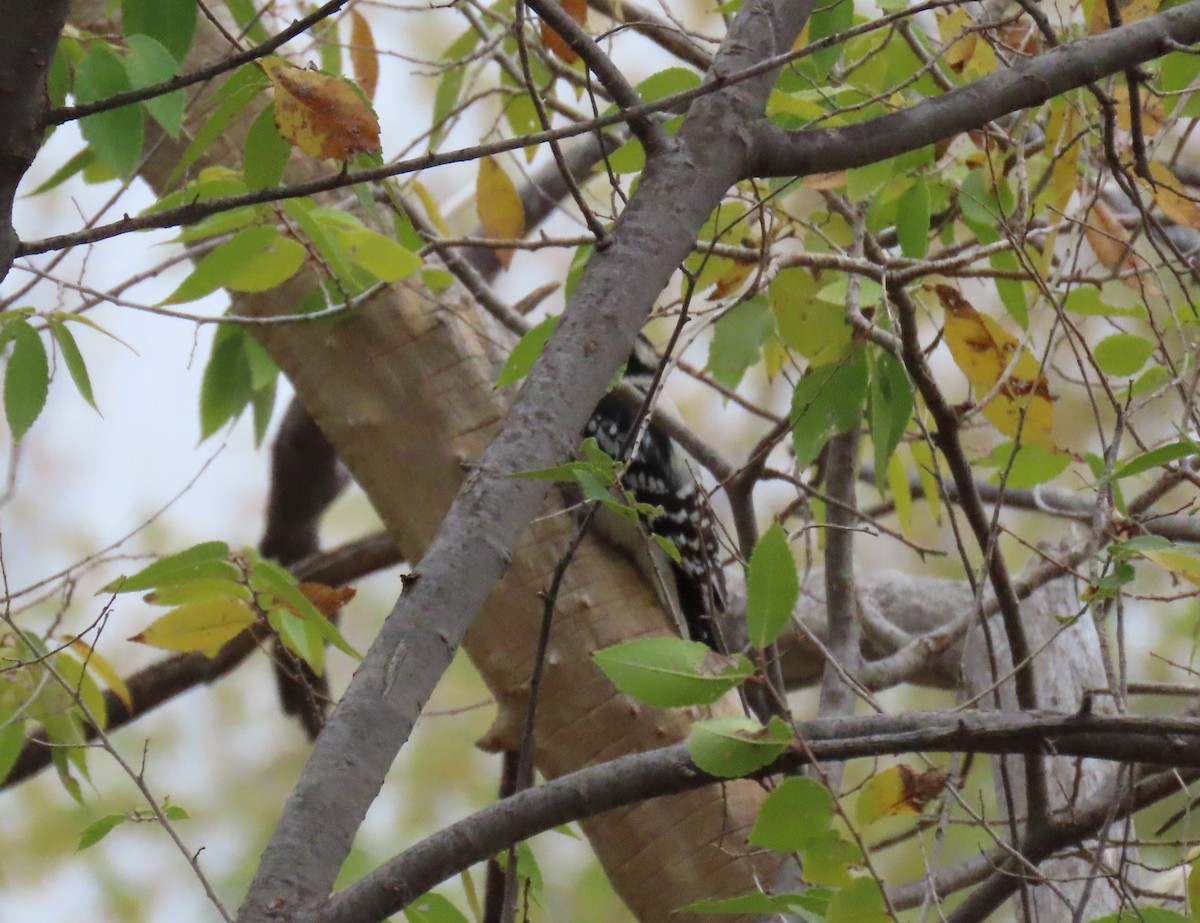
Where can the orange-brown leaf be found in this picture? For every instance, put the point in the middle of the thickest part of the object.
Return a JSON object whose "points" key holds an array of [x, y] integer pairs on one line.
{"points": [[364, 57], [499, 206], [327, 599], [1178, 205], [1108, 239], [322, 115], [577, 10]]}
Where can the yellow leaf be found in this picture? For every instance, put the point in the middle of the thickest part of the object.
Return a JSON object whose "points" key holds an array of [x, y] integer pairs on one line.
{"points": [[953, 28], [897, 478], [825, 181], [1131, 11], [363, 56], [97, 663], [577, 10], [1178, 562], [1063, 129], [432, 209], [500, 210], [203, 627], [1151, 110], [922, 457], [984, 351], [1179, 206], [898, 790], [322, 115], [731, 277]]}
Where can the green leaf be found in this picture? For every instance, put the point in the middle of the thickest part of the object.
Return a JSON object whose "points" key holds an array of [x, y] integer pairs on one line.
{"points": [[668, 82], [579, 259], [865, 183], [263, 370], [328, 246], [525, 353], [269, 577], [221, 223], [433, 908], [170, 22], [94, 832], [225, 263], [84, 690], [860, 901], [27, 378], [815, 329], [912, 220], [1011, 291], [115, 135], [262, 404], [12, 740], [212, 183], [300, 637], [76, 164], [249, 18], [793, 816], [672, 672], [225, 389], [1154, 458], [772, 587], [530, 872], [827, 19], [826, 401], [246, 84], [1032, 465], [381, 256], [449, 88], [273, 265], [200, 562], [808, 904], [733, 747], [737, 340], [890, 407], [266, 151], [72, 359], [1088, 300], [1122, 354], [147, 64], [199, 590]]}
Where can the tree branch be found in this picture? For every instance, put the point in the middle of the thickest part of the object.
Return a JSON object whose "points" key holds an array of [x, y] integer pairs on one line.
{"points": [[1028, 84], [390, 887]]}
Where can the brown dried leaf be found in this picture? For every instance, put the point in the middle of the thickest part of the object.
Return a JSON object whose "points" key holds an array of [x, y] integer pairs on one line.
{"points": [[322, 115], [577, 10], [364, 57], [327, 599]]}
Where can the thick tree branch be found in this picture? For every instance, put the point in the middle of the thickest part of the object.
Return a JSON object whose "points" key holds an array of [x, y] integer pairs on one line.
{"points": [[1171, 741], [614, 296], [1028, 84], [26, 49]]}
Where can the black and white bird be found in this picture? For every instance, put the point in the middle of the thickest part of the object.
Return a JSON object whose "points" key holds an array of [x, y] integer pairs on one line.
{"points": [[656, 473]]}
